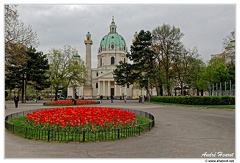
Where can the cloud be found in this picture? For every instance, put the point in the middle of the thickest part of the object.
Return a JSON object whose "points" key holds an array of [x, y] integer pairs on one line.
{"points": [[204, 26]]}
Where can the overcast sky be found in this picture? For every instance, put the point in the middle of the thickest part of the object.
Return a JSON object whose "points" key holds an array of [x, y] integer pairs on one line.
{"points": [[204, 26]]}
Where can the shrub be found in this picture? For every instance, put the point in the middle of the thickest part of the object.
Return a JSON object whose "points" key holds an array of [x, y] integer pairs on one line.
{"points": [[196, 100]]}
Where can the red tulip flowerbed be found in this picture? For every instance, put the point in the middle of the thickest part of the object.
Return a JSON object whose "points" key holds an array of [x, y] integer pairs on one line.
{"points": [[81, 118], [70, 102]]}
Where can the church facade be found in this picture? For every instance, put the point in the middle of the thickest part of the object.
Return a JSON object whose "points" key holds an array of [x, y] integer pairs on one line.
{"points": [[111, 51]]}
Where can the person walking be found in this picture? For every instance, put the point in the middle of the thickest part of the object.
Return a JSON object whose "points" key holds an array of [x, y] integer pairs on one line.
{"points": [[16, 99], [111, 98], [125, 98], [101, 98], [140, 99]]}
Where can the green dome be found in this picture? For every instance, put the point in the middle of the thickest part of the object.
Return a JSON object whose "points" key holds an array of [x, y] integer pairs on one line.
{"points": [[76, 56], [113, 41]]}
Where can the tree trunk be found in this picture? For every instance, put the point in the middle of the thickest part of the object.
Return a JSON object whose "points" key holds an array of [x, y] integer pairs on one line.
{"points": [[167, 77], [181, 88], [148, 94], [56, 92], [23, 91], [157, 87], [197, 92], [161, 90], [10, 94], [168, 84]]}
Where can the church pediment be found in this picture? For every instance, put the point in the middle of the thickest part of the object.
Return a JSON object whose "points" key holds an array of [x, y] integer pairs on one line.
{"points": [[106, 76]]}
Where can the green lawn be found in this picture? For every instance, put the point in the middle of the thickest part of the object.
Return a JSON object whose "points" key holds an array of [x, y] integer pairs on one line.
{"points": [[200, 106], [24, 129]]}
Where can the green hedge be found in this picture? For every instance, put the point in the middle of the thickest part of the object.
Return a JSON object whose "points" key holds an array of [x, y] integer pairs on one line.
{"points": [[196, 100]]}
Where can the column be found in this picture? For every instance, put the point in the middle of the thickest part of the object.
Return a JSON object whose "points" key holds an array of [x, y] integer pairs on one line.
{"points": [[120, 90], [125, 91], [104, 94], [99, 88], [108, 88]]}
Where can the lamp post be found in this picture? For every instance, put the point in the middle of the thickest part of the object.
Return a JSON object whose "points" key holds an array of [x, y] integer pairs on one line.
{"points": [[148, 90], [24, 88]]}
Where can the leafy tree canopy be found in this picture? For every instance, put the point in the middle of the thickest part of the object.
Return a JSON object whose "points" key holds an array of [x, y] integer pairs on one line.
{"points": [[65, 70]]}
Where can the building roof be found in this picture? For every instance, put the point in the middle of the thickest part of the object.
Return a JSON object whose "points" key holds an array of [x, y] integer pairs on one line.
{"points": [[76, 55], [112, 40], [231, 45]]}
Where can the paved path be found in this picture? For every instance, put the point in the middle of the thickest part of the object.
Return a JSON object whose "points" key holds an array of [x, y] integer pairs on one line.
{"points": [[179, 132]]}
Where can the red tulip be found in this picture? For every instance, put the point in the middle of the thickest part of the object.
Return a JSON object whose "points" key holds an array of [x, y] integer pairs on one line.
{"points": [[82, 117]]}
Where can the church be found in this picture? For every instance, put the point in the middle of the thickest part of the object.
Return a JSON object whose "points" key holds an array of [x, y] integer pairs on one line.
{"points": [[111, 51]]}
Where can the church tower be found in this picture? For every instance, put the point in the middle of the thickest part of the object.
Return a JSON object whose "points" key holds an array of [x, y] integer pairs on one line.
{"points": [[88, 86], [134, 37]]}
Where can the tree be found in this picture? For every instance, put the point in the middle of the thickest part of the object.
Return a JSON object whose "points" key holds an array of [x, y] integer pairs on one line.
{"points": [[197, 74], [36, 69], [141, 71], [142, 55], [229, 54], [217, 71], [17, 39], [14, 69], [64, 70], [226, 41], [15, 31], [17, 36], [166, 42], [77, 74], [231, 70], [123, 74], [186, 66]]}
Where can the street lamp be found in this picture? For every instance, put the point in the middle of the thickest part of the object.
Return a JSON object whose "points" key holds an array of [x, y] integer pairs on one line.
{"points": [[148, 90], [24, 88]]}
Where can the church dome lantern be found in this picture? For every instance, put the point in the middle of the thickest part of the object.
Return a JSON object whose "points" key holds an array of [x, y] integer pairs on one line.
{"points": [[88, 39]]}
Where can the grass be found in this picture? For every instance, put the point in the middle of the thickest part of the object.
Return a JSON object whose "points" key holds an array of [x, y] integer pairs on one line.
{"points": [[142, 120], [24, 129], [20, 121], [231, 107]]}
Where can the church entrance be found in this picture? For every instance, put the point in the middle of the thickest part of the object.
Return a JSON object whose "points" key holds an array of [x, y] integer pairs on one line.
{"points": [[112, 88], [112, 91]]}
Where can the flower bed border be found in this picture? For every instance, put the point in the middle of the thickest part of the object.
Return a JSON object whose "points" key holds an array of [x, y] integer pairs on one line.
{"points": [[83, 136], [72, 104]]}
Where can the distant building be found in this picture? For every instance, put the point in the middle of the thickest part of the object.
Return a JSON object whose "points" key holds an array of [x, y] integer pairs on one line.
{"points": [[228, 54], [111, 51]]}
